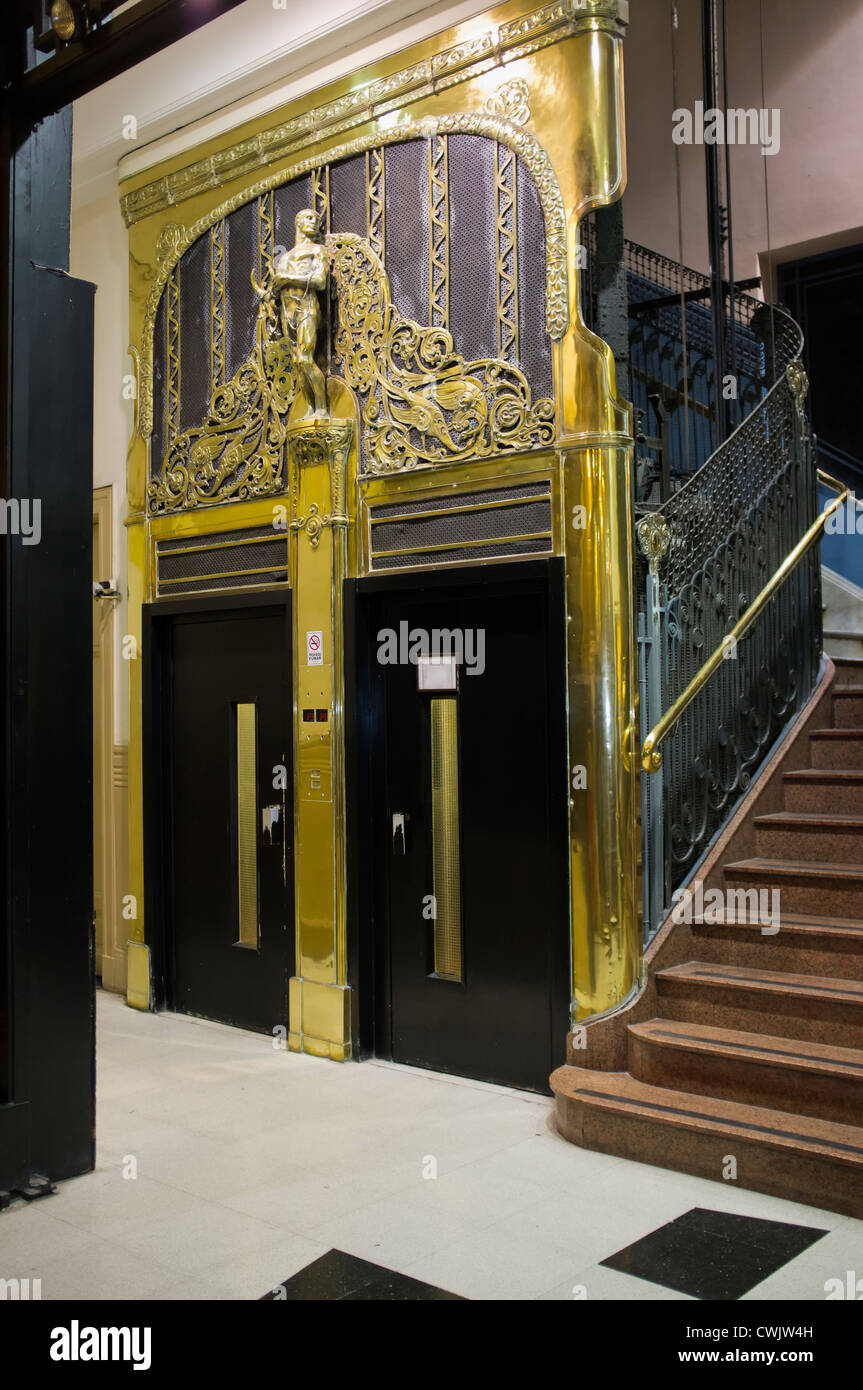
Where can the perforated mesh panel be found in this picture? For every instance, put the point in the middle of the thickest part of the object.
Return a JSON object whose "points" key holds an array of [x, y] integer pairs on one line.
{"points": [[473, 261], [534, 342], [407, 252], [219, 561], [160, 352], [348, 195], [241, 258], [195, 334], [217, 537], [464, 526], [458, 530], [213, 586], [460, 499], [461, 556]]}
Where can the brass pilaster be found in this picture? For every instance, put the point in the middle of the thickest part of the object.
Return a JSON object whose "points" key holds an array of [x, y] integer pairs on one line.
{"points": [[319, 450]]}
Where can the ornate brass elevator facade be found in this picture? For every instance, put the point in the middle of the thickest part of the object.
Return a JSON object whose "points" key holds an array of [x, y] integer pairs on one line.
{"points": [[238, 445]]}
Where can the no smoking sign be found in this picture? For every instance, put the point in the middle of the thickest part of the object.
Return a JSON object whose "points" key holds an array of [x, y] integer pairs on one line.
{"points": [[314, 648]]}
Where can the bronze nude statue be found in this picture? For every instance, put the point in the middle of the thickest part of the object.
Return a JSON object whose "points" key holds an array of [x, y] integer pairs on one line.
{"points": [[299, 276]]}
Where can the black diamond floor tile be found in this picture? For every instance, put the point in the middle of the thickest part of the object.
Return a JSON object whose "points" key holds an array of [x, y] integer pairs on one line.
{"points": [[337, 1276], [713, 1254]]}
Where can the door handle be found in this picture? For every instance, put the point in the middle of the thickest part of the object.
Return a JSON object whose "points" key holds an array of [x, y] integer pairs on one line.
{"points": [[272, 825], [399, 843]]}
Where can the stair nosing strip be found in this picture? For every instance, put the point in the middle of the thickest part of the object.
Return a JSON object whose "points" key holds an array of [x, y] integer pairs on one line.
{"points": [[754, 1047], [783, 983], [719, 1120]]}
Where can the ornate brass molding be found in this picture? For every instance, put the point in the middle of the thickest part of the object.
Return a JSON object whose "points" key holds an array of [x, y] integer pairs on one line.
{"points": [[516, 39], [654, 537], [798, 384], [511, 101], [423, 404], [316, 443], [521, 141]]}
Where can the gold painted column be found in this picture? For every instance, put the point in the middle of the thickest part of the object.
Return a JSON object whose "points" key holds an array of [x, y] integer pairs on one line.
{"points": [[319, 451], [596, 448]]}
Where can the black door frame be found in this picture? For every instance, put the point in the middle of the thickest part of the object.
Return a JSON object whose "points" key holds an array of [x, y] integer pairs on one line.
{"points": [[368, 948], [156, 746]]}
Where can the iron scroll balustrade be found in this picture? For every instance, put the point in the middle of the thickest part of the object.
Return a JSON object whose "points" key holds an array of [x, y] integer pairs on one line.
{"points": [[716, 576]]}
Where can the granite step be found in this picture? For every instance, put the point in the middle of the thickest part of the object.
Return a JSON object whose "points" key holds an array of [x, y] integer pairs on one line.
{"points": [[799, 836], [807, 887], [804, 945], [805, 1078], [836, 748], [836, 790], [798, 1157], [810, 1008], [848, 706]]}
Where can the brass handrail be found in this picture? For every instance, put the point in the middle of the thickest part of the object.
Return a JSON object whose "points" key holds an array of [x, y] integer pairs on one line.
{"points": [[651, 758]]}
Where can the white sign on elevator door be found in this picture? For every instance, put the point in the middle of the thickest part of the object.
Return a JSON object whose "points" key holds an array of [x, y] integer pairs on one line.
{"points": [[314, 648]]}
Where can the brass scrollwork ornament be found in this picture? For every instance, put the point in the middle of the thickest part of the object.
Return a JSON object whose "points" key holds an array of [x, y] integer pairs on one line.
{"points": [[654, 537], [798, 383], [511, 101], [168, 243], [422, 403]]}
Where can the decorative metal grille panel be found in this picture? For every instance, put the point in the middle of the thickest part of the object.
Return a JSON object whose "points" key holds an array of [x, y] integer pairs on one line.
{"points": [[458, 223], [222, 560], [462, 528]]}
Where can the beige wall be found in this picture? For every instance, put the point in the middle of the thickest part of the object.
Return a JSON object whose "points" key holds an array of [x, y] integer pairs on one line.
{"points": [[813, 70]]}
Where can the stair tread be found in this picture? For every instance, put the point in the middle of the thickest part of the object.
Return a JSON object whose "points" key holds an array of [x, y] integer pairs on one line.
{"points": [[848, 690], [825, 774], [745, 977], [620, 1092], [795, 922], [819, 868], [837, 733], [762, 1047]]}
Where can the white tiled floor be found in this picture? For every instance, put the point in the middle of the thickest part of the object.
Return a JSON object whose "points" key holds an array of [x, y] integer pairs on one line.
{"points": [[252, 1162]]}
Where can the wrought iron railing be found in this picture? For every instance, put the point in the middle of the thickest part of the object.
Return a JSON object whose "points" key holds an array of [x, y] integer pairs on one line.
{"points": [[706, 555], [682, 412]]}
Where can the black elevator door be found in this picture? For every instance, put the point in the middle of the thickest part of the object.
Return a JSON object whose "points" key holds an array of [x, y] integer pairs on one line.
{"points": [[503, 1017], [232, 874]]}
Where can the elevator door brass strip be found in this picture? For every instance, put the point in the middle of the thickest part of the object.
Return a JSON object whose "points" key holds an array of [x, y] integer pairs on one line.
{"points": [[247, 825], [446, 859]]}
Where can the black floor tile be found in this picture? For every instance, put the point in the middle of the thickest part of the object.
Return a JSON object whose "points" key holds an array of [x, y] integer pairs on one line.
{"points": [[345, 1277], [713, 1254]]}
